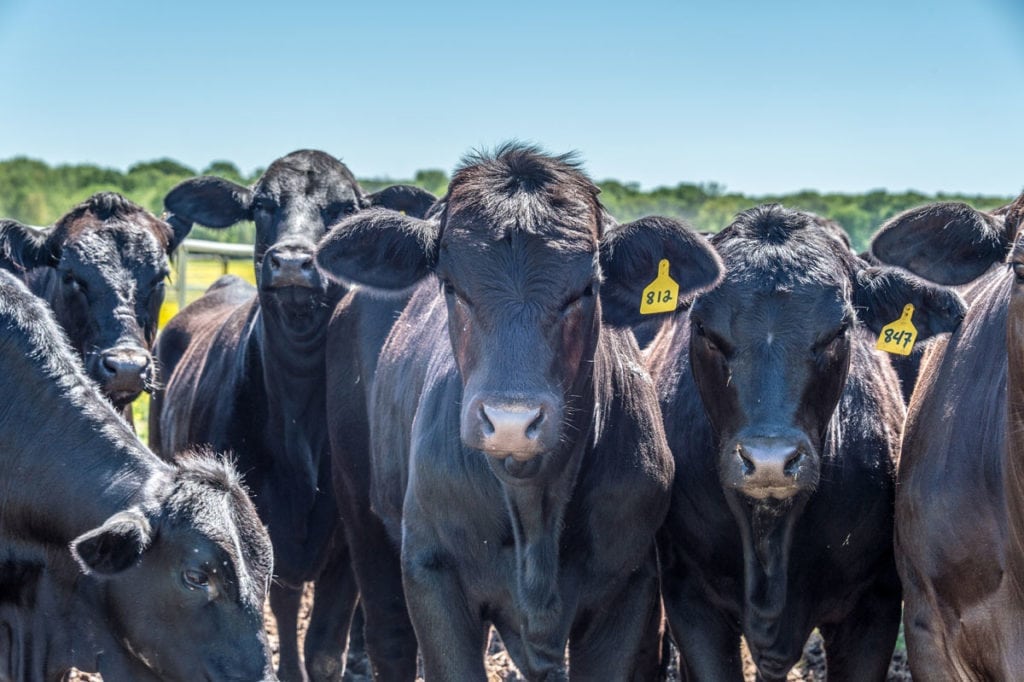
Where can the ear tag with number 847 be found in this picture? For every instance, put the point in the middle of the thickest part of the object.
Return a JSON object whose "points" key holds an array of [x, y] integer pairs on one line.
{"points": [[661, 295], [898, 337]]}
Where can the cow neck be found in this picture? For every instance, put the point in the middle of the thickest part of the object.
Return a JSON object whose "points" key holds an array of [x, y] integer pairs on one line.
{"points": [[60, 436], [1013, 465], [766, 534], [537, 510], [293, 364]]}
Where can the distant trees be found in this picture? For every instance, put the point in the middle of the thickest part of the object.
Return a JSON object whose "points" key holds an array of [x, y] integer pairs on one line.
{"points": [[35, 193]]}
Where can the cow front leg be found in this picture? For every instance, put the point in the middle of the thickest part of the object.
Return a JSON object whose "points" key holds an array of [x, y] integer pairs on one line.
{"points": [[860, 647], [333, 602], [450, 633], [622, 641], [284, 602], [708, 640], [389, 636]]}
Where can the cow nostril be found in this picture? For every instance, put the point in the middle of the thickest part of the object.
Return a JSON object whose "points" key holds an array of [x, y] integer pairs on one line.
{"points": [[792, 463], [307, 263], [486, 427], [533, 428], [275, 262], [745, 460]]}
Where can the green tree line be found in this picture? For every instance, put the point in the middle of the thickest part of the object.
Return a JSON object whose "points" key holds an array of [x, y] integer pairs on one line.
{"points": [[36, 193]]}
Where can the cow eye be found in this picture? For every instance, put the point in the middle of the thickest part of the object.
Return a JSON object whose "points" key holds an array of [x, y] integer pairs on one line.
{"points": [[156, 294], [195, 579], [1018, 270], [265, 205], [73, 282], [450, 291], [712, 342], [829, 341], [575, 301]]}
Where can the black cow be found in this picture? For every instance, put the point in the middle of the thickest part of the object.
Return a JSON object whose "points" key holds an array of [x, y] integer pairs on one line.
{"points": [[102, 268], [518, 456], [245, 373], [784, 423], [168, 566], [960, 493]]}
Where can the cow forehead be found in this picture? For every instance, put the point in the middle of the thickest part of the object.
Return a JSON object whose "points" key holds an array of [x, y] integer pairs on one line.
{"points": [[795, 264], [523, 265], [322, 182], [122, 246], [800, 310]]}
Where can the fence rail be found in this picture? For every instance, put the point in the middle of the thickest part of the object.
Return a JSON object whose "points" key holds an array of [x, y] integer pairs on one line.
{"points": [[223, 252]]}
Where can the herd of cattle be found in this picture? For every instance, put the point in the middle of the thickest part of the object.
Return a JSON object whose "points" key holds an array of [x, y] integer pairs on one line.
{"points": [[437, 411]]}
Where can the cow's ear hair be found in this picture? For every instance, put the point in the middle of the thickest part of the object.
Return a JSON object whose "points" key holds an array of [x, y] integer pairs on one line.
{"points": [[380, 248], [406, 199], [880, 294], [630, 256], [116, 545], [210, 201], [23, 248], [948, 242]]}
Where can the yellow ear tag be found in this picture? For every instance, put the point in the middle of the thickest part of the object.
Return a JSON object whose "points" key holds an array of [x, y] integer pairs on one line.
{"points": [[661, 295], [898, 337]]}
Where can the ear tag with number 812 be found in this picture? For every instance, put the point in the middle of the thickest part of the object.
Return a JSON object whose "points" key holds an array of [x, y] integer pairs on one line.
{"points": [[898, 337], [661, 295]]}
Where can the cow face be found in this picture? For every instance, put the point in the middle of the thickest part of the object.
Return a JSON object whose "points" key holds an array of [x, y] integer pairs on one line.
{"points": [[102, 267], [524, 267], [292, 205], [183, 590], [770, 347]]}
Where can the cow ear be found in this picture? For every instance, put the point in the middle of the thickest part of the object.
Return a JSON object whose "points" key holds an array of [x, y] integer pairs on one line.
{"points": [[948, 243], [23, 248], [380, 248], [880, 294], [116, 545], [210, 201], [406, 199], [630, 258]]}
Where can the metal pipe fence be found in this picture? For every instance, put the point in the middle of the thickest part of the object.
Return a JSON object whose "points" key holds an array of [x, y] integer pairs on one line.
{"points": [[201, 247]]}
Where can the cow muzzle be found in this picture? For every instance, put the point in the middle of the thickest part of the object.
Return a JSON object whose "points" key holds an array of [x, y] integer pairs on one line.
{"points": [[505, 428], [770, 467], [123, 372], [290, 265]]}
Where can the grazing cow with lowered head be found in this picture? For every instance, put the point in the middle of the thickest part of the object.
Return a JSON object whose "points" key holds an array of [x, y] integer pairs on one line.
{"points": [[960, 493], [784, 423], [518, 457], [245, 374], [112, 560], [102, 269]]}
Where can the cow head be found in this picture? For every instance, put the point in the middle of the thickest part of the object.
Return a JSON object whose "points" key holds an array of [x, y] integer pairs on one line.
{"points": [[102, 267], [293, 204], [527, 270], [770, 346], [183, 584]]}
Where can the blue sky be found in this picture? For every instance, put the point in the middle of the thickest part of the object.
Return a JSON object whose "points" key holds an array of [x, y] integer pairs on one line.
{"points": [[759, 96]]}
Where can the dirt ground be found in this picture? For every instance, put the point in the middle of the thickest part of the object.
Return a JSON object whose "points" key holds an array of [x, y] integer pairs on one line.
{"points": [[500, 668]]}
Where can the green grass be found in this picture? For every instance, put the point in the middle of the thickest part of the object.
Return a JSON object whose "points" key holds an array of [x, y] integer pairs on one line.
{"points": [[201, 273]]}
